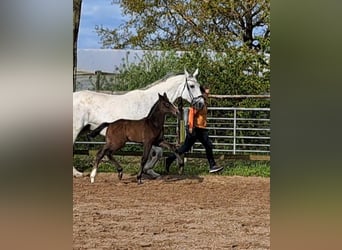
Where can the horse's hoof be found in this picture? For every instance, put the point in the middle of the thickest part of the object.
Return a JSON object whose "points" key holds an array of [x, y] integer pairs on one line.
{"points": [[92, 179], [120, 175]]}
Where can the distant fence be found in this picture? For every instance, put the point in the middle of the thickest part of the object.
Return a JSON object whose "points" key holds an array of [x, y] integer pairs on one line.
{"points": [[96, 81]]}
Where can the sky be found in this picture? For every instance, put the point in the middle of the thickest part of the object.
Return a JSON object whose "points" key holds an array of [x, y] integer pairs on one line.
{"points": [[97, 12]]}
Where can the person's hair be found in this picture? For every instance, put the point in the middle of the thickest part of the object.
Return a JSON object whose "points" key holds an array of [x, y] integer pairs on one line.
{"points": [[203, 88], [205, 95]]}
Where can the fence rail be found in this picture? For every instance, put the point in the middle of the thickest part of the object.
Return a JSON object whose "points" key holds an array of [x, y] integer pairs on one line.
{"points": [[238, 130], [233, 131]]}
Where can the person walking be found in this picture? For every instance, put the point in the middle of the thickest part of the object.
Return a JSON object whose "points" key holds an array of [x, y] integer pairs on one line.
{"points": [[196, 130]]}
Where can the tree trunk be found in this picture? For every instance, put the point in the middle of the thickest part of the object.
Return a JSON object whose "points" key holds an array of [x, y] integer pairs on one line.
{"points": [[77, 15]]}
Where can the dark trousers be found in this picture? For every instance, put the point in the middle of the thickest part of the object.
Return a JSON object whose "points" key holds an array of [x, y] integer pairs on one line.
{"points": [[202, 136]]}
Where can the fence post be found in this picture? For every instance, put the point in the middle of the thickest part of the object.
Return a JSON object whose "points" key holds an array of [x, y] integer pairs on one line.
{"points": [[234, 133], [97, 82], [181, 125]]}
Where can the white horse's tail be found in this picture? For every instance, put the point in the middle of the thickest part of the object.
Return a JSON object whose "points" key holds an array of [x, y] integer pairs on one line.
{"points": [[97, 131]]}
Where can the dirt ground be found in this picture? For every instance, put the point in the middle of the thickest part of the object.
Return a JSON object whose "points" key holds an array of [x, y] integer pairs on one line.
{"points": [[175, 212]]}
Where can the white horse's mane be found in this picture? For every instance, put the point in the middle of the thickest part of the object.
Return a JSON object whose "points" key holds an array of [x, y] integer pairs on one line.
{"points": [[167, 76]]}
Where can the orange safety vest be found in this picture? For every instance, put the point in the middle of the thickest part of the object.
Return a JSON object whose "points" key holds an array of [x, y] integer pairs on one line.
{"points": [[197, 118]]}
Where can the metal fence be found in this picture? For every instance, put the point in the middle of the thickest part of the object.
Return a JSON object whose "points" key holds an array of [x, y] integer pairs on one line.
{"points": [[238, 130], [233, 131], [97, 81]]}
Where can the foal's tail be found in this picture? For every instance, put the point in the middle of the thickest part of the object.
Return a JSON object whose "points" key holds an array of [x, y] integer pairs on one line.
{"points": [[97, 131]]}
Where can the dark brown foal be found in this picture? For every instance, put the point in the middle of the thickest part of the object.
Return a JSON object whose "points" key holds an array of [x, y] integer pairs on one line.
{"points": [[148, 131]]}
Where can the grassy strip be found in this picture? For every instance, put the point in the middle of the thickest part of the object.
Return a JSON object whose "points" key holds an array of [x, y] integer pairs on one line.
{"points": [[192, 167]]}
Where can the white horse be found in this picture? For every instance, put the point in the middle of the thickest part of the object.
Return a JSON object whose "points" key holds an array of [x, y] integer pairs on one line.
{"points": [[93, 108]]}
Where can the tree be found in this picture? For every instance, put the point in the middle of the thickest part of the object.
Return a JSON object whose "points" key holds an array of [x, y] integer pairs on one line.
{"points": [[227, 40], [188, 24], [224, 73], [77, 15]]}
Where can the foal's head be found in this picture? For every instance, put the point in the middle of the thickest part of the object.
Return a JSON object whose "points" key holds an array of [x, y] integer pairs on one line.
{"points": [[165, 106]]}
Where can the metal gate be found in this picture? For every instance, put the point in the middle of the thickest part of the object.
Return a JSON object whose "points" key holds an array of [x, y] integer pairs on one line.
{"points": [[238, 130]]}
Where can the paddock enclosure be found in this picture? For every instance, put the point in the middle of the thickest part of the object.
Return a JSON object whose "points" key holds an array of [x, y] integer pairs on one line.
{"points": [[235, 132], [174, 212]]}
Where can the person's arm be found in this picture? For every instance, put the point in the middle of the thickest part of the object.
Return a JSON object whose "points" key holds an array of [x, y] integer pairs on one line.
{"points": [[191, 119]]}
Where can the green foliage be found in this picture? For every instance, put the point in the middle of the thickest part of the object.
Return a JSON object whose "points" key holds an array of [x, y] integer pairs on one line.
{"points": [[235, 72], [149, 69], [188, 25], [83, 162]]}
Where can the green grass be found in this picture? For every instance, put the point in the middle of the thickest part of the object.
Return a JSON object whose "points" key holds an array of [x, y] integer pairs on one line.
{"points": [[192, 167], [238, 167]]}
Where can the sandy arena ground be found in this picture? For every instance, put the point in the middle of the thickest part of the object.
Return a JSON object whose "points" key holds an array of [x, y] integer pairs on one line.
{"points": [[175, 212]]}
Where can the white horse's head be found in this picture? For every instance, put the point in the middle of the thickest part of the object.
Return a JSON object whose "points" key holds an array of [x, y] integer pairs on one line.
{"points": [[191, 90]]}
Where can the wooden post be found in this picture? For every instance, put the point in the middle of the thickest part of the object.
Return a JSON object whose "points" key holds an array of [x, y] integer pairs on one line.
{"points": [[181, 125], [181, 131], [97, 82]]}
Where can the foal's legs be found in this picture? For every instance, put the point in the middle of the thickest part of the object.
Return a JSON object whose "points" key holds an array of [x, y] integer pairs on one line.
{"points": [[100, 154], [118, 167]]}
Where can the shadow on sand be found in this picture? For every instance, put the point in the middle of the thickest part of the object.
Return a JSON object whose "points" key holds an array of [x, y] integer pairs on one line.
{"points": [[164, 178]]}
